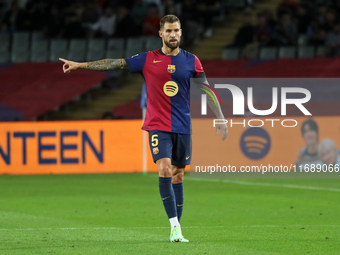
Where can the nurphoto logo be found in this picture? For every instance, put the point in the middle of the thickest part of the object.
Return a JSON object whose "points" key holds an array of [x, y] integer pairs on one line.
{"points": [[239, 105]]}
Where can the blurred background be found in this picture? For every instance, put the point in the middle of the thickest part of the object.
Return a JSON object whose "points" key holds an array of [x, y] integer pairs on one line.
{"points": [[121, 214], [230, 37]]}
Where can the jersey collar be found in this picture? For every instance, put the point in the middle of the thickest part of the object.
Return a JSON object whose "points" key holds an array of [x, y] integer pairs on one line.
{"points": [[180, 51]]}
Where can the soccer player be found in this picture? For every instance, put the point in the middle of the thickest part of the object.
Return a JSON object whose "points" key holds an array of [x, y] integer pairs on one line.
{"points": [[167, 72]]}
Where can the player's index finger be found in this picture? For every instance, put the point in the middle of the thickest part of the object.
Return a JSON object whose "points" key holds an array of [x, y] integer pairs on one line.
{"points": [[64, 60]]}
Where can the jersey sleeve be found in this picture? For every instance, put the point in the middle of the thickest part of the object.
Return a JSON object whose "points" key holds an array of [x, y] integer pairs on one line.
{"points": [[199, 72], [136, 63]]}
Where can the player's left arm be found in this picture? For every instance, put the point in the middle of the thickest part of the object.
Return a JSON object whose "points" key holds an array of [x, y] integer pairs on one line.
{"points": [[214, 105]]}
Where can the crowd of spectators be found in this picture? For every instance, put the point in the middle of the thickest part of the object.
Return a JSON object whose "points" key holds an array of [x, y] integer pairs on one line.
{"points": [[106, 18], [318, 21]]}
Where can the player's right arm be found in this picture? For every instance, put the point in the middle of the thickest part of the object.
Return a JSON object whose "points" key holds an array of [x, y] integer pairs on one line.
{"points": [[100, 65]]}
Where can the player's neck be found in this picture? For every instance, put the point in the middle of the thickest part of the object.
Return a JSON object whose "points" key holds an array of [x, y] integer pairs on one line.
{"points": [[170, 52]]}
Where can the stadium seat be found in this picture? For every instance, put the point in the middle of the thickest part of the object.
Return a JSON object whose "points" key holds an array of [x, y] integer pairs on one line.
{"points": [[320, 51], [134, 46], [231, 53], [115, 48], [306, 52], [20, 52], [4, 48], [153, 43], [20, 47], [302, 40], [37, 36], [77, 51], [96, 49], [21, 36], [58, 50], [268, 53], [287, 52], [4, 57], [39, 51]]}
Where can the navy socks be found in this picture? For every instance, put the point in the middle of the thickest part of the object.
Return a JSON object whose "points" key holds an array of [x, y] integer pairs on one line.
{"points": [[179, 194], [168, 196]]}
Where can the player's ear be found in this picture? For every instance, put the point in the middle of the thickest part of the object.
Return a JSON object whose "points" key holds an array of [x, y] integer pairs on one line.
{"points": [[180, 32], [160, 33]]}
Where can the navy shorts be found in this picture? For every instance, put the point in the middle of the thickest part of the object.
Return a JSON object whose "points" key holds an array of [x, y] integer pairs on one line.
{"points": [[170, 145]]}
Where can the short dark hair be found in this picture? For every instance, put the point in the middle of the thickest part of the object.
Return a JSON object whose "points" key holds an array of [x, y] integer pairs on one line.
{"points": [[170, 18], [312, 125]]}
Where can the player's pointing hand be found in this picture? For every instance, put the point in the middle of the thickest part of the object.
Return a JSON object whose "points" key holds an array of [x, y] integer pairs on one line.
{"points": [[69, 65]]}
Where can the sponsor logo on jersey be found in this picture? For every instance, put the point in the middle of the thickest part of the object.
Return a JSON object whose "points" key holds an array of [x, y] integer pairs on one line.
{"points": [[157, 61], [155, 150], [170, 88], [171, 68]]}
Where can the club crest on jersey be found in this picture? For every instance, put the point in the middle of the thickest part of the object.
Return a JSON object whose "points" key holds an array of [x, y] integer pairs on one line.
{"points": [[171, 68], [155, 150]]}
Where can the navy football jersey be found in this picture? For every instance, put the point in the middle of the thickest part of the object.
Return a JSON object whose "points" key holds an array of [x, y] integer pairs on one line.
{"points": [[168, 88]]}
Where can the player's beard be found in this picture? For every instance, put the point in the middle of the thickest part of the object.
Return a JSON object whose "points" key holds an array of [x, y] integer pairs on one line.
{"points": [[172, 45]]}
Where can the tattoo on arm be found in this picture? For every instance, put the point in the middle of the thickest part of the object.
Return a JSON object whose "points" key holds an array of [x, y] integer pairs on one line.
{"points": [[106, 65], [216, 108]]}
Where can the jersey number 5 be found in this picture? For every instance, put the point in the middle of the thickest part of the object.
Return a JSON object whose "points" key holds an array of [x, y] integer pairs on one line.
{"points": [[154, 139]]}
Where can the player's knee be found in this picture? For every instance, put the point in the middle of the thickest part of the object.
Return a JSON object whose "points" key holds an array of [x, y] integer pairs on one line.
{"points": [[164, 169], [178, 178]]}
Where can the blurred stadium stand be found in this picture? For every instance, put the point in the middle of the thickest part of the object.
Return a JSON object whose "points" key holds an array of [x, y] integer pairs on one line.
{"points": [[284, 52], [25, 49], [18, 47], [297, 29], [35, 89], [115, 48]]}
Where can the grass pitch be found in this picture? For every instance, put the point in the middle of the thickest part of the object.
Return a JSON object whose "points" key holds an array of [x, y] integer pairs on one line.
{"points": [[123, 214]]}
